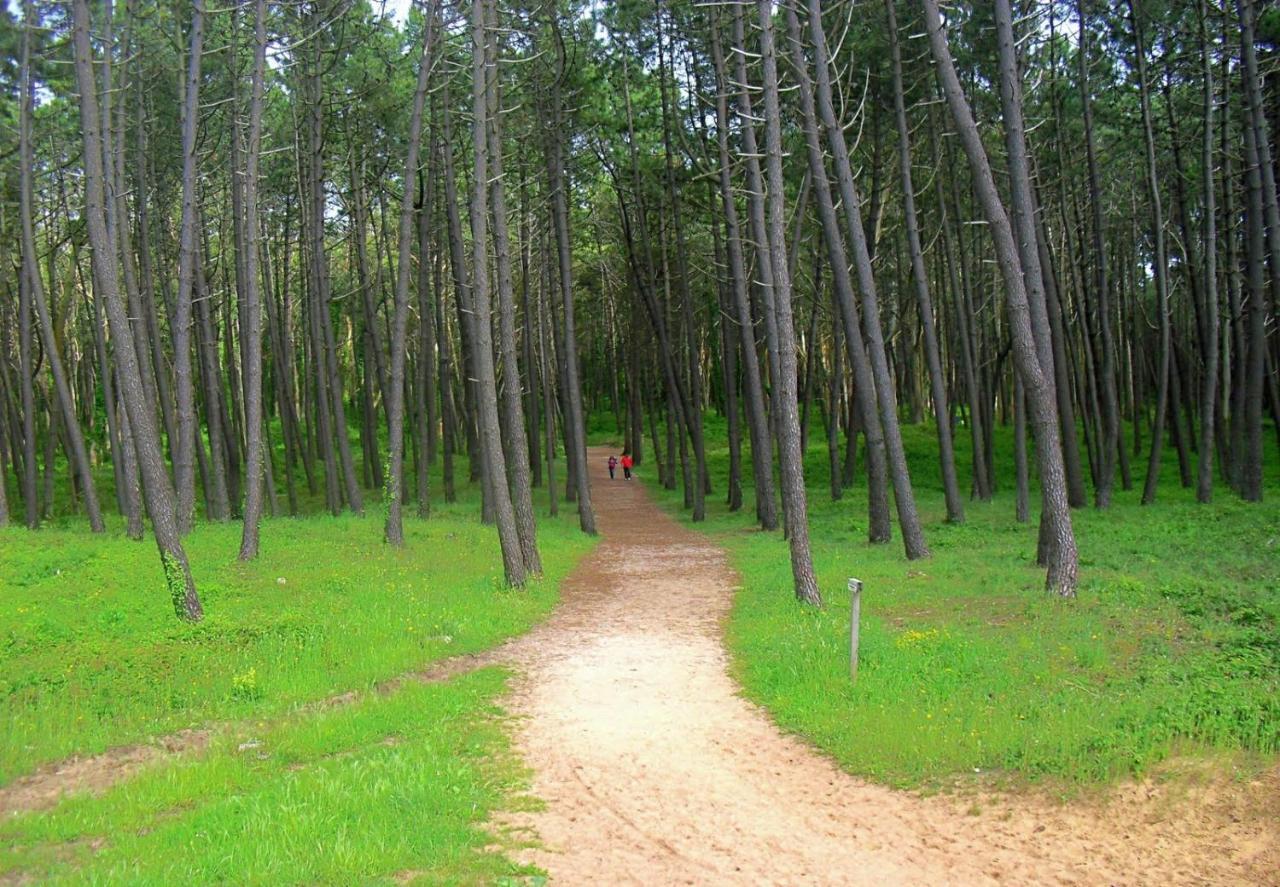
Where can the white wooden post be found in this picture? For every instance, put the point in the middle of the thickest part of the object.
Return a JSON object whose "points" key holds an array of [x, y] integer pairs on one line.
{"points": [[855, 616]]}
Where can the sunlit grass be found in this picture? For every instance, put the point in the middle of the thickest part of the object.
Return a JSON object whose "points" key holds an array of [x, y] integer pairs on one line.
{"points": [[390, 789], [966, 665], [91, 655]]}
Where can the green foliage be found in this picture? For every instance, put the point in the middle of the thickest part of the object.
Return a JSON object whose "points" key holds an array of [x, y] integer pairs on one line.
{"points": [[967, 666], [390, 789]]}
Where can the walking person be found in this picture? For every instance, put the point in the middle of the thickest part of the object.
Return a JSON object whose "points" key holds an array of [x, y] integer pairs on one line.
{"points": [[627, 463], [613, 465]]}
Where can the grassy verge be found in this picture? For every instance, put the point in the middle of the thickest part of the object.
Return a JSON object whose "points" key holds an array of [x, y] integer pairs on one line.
{"points": [[91, 655], [389, 790], [967, 667], [392, 788]]}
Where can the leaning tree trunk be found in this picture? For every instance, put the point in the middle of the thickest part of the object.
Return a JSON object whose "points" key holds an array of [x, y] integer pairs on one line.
{"points": [[75, 438], [795, 506], [1063, 567], [908, 517], [842, 290], [933, 355], [156, 486], [1034, 277]]}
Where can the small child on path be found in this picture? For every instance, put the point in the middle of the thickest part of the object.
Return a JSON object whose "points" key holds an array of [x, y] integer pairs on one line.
{"points": [[613, 465], [627, 462]]}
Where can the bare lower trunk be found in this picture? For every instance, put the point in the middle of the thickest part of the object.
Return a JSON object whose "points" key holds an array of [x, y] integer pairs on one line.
{"points": [[516, 443], [795, 507], [157, 488], [886, 399], [394, 492], [256, 450], [1063, 568], [495, 469]]}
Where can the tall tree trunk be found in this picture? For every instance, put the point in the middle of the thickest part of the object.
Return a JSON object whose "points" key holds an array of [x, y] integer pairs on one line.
{"points": [[77, 451], [933, 355], [693, 411], [1064, 566], [428, 418], [1033, 271], [1263, 214], [255, 448], [157, 488], [462, 295], [1160, 265], [180, 321], [26, 385], [495, 469], [886, 399], [1209, 383], [515, 442], [1110, 444], [795, 506], [575, 430], [395, 392]]}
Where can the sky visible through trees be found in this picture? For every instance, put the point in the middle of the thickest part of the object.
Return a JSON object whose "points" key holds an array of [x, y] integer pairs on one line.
{"points": [[277, 258]]}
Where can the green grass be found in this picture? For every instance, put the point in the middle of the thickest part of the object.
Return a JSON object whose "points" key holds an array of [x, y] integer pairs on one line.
{"points": [[391, 789], [1171, 647], [92, 657]]}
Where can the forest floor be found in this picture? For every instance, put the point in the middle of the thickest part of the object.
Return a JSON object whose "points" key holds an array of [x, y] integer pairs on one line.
{"points": [[614, 742], [654, 769]]}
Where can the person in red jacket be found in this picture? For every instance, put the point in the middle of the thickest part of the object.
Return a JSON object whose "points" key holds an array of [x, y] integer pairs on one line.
{"points": [[627, 462]]}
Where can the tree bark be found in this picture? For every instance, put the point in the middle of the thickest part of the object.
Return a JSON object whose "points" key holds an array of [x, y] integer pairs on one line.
{"points": [[395, 393], [1063, 568], [251, 336], [157, 488], [78, 452], [575, 430], [886, 399], [795, 507], [495, 468], [1160, 265], [515, 441], [924, 302]]}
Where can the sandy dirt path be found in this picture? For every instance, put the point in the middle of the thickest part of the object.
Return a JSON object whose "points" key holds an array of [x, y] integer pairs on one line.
{"points": [[655, 771]]}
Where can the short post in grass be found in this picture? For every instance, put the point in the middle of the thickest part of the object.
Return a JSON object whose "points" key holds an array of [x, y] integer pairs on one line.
{"points": [[855, 616]]}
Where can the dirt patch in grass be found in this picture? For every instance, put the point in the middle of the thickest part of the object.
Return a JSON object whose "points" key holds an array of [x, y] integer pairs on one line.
{"points": [[93, 773]]}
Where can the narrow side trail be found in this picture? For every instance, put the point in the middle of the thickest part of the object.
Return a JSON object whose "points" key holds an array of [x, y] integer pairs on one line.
{"points": [[655, 771]]}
